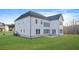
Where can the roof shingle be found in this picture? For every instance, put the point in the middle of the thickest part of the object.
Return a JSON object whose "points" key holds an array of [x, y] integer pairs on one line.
{"points": [[54, 17], [30, 13], [34, 14]]}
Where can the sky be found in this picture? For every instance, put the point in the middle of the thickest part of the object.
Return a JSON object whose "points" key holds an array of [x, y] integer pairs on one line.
{"points": [[8, 16]]}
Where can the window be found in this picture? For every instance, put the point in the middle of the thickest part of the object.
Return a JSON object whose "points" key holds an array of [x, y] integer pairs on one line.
{"points": [[41, 21], [61, 31], [46, 31], [53, 31], [24, 30], [37, 31], [46, 24], [21, 30], [61, 23], [36, 21]]}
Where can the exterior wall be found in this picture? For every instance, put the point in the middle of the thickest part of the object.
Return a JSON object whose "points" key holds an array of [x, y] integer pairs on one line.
{"points": [[45, 34], [40, 26], [6, 28], [55, 25], [27, 26], [22, 27], [1, 29], [61, 26]]}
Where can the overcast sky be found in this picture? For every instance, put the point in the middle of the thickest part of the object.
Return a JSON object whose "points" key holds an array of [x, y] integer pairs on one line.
{"points": [[9, 15]]}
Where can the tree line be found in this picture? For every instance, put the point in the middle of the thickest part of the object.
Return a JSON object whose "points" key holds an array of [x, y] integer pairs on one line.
{"points": [[73, 28]]}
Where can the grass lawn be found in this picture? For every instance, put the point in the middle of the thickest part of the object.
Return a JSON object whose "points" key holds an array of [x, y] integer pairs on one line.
{"points": [[66, 42]]}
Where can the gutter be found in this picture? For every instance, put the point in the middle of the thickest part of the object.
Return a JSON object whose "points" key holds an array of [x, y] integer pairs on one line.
{"points": [[30, 27]]}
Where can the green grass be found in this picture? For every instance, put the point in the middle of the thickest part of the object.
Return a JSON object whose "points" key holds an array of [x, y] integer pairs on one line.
{"points": [[66, 42]]}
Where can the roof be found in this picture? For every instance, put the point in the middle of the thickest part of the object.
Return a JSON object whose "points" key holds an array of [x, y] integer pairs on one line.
{"points": [[54, 17], [34, 14], [2, 25], [31, 13]]}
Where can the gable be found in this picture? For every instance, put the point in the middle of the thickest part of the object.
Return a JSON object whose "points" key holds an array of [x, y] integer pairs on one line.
{"points": [[55, 17], [61, 18]]}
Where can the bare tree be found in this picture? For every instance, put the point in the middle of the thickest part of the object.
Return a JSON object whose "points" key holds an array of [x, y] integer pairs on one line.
{"points": [[73, 28]]}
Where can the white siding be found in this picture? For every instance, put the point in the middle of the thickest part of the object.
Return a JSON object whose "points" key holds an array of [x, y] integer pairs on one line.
{"points": [[23, 24], [55, 25], [26, 24], [46, 27], [61, 26], [40, 26]]}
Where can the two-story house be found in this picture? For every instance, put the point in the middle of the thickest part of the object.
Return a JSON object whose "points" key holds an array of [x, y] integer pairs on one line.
{"points": [[32, 24]]}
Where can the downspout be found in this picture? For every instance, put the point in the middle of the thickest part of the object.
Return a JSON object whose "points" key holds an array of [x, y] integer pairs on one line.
{"points": [[59, 29], [30, 27]]}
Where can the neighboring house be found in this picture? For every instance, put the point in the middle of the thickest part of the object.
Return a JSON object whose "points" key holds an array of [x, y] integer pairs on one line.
{"points": [[11, 27], [6, 28], [3, 27], [32, 24]]}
